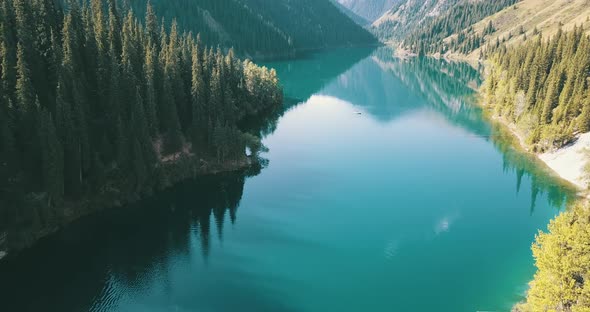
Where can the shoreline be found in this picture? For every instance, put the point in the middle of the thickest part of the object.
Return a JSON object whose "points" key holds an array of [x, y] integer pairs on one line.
{"points": [[569, 161], [566, 163], [171, 173]]}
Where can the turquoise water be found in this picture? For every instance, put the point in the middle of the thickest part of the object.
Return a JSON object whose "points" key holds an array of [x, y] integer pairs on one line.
{"points": [[385, 190]]}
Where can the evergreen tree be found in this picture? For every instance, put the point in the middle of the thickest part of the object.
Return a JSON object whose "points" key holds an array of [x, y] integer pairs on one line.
{"points": [[53, 161], [92, 104]]}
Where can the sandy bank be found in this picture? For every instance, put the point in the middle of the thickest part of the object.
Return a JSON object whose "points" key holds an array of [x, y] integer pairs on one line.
{"points": [[569, 161]]}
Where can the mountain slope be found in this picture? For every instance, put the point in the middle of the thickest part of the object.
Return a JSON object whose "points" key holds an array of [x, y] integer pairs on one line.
{"points": [[422, 25], [263, 28], [466, 27], [406, 16], [352, 15], [312, 24], [517, 23], [371, 10]]}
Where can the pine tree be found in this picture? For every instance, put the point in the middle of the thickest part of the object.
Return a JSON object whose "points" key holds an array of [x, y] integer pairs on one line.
{"points": [[151, 24], [149, 66], [52, 156], [25, 92], [199, 100], [86, 98]]}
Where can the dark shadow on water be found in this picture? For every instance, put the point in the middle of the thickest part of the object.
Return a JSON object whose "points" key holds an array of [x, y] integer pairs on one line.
{"points": [[122, 252]]}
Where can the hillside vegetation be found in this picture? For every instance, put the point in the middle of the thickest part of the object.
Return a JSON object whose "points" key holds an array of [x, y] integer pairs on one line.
{"points": [[527, 19], [562, 257], [458, 19], [424, 26], [262, 28], [408, 15], [96, 105], [542, 86], [371, 10], [351, 14], [538, 81], [465, 28]]}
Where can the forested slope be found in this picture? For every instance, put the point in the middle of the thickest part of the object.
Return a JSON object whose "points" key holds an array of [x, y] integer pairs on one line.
{"points": [[538, 82], [351, 14], [98, 108], [407, 16], [424, 27], [371, 10], [263, 28], [527, 19], [456, 21], [465, 28], [542, 86]]}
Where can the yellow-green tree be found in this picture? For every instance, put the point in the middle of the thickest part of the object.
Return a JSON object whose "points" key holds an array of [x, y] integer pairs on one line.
{"points": [[562, 257]]}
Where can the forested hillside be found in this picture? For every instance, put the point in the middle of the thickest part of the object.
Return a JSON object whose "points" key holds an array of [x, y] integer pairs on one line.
{"points": [[222, 22], [538, 82], [263, 28], [526, 20], [424, 28], [369, 9], [542, 86], [312, 24], [465, 28], [407, 16], [352, 15], [96, 105], [431, 36]]}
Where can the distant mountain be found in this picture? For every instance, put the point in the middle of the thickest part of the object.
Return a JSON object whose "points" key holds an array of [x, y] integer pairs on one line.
{"points": [[424, 26], [370, 10], [263, 28], [311, 24], [352, 15], [466, 27], [407, 16]]}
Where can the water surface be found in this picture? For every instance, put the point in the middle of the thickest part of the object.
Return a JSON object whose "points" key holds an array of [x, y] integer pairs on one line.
{"points": [[386, 190]]}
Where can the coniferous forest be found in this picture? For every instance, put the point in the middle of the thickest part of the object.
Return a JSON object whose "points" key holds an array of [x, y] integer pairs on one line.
{"points": [[259, 28], [430, 38], [96, 104], [542, 87]]}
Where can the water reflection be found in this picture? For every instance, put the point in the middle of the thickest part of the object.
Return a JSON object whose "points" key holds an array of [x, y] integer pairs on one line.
{"points": [[388, 87], [99, 262], [377, 196]]}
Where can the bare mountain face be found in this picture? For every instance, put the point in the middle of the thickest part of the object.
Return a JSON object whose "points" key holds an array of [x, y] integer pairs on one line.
{"points": [[370, 10]]}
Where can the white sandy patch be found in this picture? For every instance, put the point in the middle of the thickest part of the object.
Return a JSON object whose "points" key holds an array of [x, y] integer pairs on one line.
{"points": [[569, 161]]}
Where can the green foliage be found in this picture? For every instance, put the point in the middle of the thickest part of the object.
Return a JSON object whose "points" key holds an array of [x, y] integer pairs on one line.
{"points": [[422, 27], [91, 101], [260, 28], [543, 87], [562, 257]]}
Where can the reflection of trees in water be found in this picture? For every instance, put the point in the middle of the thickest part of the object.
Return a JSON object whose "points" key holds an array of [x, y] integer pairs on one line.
{"points": [[447, 87], [303, 77], [450, 88], [129, 249], [526, 165]]}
